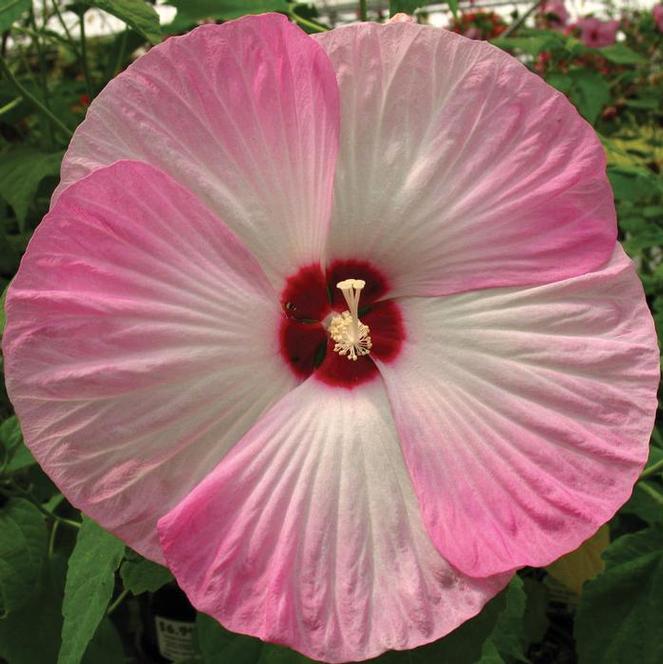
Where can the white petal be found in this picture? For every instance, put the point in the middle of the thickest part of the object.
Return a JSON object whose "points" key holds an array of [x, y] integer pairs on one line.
{"points": [[308, 534]]}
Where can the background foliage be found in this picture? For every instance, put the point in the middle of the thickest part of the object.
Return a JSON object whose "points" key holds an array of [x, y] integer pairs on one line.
{"points": [[71, 593]]}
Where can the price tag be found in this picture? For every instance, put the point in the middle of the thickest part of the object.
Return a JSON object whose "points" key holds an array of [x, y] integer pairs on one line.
{"points": [[175, 638]]}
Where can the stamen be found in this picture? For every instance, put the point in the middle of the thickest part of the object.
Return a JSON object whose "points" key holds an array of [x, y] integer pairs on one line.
{"points": [[351, 336]]}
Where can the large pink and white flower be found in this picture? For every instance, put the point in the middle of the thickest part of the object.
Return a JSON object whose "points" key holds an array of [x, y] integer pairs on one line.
{"points": [[343, 470]]}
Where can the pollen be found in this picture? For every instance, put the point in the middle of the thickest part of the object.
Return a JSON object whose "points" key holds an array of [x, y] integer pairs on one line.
{"points": [[351, 336]]}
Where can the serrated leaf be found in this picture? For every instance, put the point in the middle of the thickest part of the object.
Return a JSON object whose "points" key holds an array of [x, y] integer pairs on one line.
{"points": [[192, 11], [88, 589], [142, 575], [23, 549], [11, 11], [21, 171], [137, 14], [621, 54], [620, 616], [577, 567]]}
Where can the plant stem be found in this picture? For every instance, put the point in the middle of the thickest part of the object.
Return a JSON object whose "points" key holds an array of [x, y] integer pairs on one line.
{"points": [[51, 515], [652, 470], [84, 63], [20, 491], [117, 602], [518, 22], [31, 99], [652, 492], [120, 53], [63, 24], [8, 107], [363, 10], [51, 539], [305, 22], [43, 74]]}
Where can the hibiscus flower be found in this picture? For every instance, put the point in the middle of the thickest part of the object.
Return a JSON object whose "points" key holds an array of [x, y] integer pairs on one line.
{"points": [[554, 14], [657, 13], [595, 33], [336, 327]]}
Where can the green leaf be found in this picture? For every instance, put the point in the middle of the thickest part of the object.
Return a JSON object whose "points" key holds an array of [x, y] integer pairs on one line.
{"points": [[12, 440], [137, 14], [589, 92], [31, 635], [562, 82], [645, 103], [106, 646], [535, 620], [21, 171], [141, 575], [272, 654], [11, 11], [192, 11], [10, 434], [631, 186], [507, 640], [218, 645], [531, 45], [409, 6], [620, 616], [3, 316], [643, 505], [23, 549], [621, 54], [89, 587]]}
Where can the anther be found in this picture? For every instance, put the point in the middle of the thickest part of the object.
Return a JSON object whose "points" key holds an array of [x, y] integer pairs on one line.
{"points": [[351, 336]]}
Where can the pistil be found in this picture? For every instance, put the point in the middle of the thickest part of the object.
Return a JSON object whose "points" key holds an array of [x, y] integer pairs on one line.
{"points": [[351, 336]]}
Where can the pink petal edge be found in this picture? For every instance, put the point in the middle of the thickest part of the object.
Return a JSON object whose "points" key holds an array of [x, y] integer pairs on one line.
{"points": [[525, 413], [459, 169], [139, 346], [245, 115], [308, 534]]}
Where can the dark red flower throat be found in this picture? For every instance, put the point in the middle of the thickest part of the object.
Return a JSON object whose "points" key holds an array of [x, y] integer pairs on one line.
{"points": [[310, 296]]}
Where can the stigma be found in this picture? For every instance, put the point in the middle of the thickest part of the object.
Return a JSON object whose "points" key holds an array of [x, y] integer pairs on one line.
{"points": [[351, 337]]}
